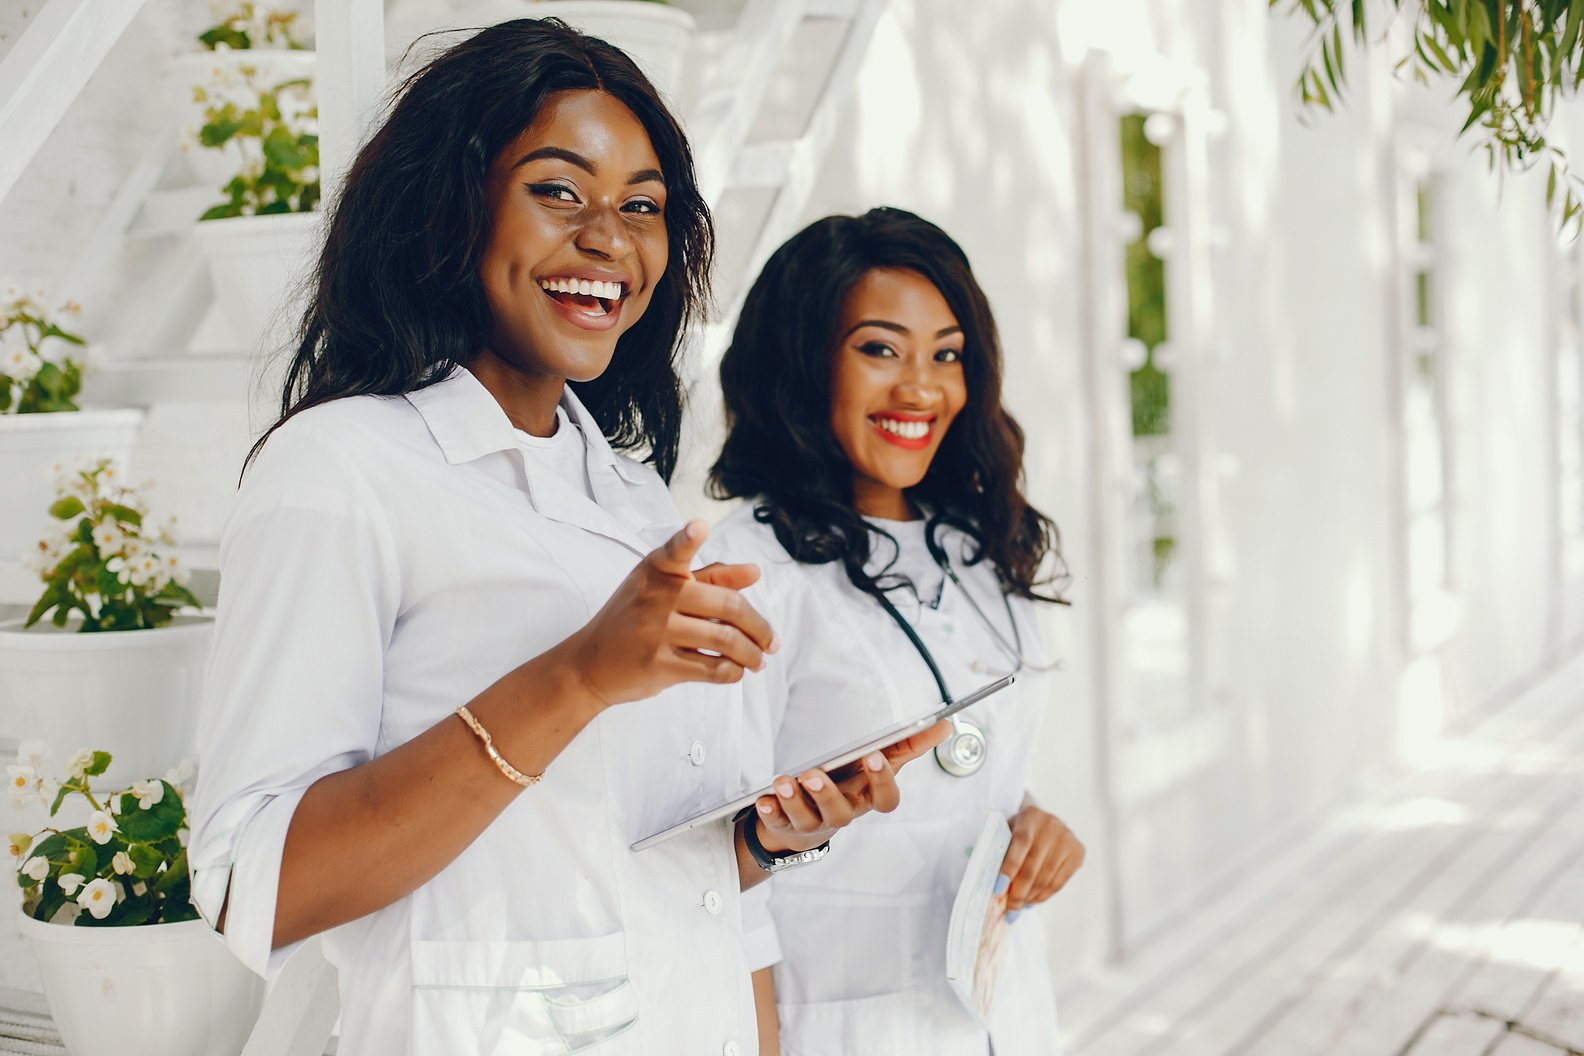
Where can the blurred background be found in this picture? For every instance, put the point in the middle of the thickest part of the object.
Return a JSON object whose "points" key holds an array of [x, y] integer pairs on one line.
{"points": [[1303, 387]]}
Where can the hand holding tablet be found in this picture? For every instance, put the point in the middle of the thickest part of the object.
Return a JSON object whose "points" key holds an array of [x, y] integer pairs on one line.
{"points": [[811, 795]]}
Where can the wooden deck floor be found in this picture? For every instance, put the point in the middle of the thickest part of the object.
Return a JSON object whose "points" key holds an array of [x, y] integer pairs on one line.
{"points": [[1443, 917]]}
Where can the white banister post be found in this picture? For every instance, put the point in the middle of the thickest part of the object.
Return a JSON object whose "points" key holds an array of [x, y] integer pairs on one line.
{"points": [[45, 69], [349, 38]]}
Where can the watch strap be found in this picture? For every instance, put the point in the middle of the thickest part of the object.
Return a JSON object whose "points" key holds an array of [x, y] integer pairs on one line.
{"points": [[777, 861]]}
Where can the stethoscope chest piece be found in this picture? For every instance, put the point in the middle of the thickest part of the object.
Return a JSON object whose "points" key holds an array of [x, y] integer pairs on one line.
{"points": [[964, 752]]}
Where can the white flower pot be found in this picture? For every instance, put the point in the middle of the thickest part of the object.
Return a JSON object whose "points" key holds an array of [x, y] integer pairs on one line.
{"points": [[134, 694], [655, 35], [257, 265], [30, 444], [213, 167], [150, 990]]}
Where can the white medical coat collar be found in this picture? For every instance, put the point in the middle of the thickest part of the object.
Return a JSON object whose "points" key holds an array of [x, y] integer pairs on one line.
{"points": [[467, 424]]}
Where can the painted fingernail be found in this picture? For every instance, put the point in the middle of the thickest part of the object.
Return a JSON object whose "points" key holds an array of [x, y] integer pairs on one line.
{"points": [[1002, 883], [1011, 918], [784, 789], [875, 761], [766, 808], [814, 783]]}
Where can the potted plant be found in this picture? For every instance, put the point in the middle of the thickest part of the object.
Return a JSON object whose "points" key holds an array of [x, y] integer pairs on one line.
{"points": [[255, 139], [41, 371], [655, 34], [128, 968], [266, 43], [104, 648]]}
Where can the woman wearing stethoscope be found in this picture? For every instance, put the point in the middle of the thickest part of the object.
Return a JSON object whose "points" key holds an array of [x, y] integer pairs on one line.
{"points": [[902, 566]]}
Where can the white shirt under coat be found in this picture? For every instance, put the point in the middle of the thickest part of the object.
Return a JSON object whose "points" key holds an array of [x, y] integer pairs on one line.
{"points": [[387, 559], [861, 935]]}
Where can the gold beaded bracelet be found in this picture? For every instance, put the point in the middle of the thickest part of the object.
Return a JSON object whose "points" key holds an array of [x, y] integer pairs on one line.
{"points": [[511, 772]]}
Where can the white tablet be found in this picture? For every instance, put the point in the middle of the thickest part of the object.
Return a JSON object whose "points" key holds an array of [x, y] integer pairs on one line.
{"points": [[831, 760]]}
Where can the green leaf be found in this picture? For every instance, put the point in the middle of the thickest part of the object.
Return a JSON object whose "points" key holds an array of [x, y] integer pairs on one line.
{"points": [[65, 509], [221, 212], [85, 857], [161, 821], [124, 514], [146, 860], [66, 789], [100, 763], [230, 36], [50, 598]]}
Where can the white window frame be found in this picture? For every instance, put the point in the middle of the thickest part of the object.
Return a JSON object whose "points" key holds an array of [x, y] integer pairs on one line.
{"points": [[1431, 616]]}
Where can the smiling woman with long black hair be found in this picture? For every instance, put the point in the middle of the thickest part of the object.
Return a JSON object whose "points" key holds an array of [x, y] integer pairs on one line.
{"points": [[901, 566], [460, 637]]}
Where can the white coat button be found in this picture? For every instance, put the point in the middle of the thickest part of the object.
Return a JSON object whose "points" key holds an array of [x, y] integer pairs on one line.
{"points": [[730, 1049], [696, 753], [712, 901]]}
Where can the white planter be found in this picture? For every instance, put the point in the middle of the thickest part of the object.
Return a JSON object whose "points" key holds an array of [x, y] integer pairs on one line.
{"points": [[150, 990], [134, 694], [32, 443], [213, 167], [655, 35], [257, 265]]}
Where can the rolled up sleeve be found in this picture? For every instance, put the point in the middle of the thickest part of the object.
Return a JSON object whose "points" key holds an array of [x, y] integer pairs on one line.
{"points": [[308, 601]]}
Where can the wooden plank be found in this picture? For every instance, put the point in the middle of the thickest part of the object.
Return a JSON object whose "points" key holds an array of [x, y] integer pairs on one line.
{"points": [[1143, 1001], [1515, 1044], [1375, 999], [1502, 860], [1525, 951], [1558, 1014], [1458, 1034], [1287, 980], [47, 68]]}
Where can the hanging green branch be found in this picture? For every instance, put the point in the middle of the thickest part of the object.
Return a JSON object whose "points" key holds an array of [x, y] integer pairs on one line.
{"points": [[1513, 61]]}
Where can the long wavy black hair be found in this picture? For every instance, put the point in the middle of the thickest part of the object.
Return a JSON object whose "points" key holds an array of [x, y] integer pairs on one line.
{"points": [[776, 378], [395, 299]]}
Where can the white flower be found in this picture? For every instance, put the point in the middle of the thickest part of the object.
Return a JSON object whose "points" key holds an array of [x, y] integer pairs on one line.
{"points": [[36, 867], [98, 898], [121, 862], [20, 364], [70, 882], [33, 753], [78, 764], [148, 793], [121, 568], [20, 842], [180, 774], [144, 570], [101, 826], [46, 789], [23, 782], [108, 537]]}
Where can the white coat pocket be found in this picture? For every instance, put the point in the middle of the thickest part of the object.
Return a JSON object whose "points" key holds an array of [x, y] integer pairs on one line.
{"points": [[525, 998]]}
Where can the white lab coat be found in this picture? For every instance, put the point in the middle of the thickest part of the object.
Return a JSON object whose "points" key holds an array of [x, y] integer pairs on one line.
{"points": [[861, 935], [387, 559]]}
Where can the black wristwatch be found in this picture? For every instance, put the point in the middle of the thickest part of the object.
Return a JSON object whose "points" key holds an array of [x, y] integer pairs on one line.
{"points": [[773, 861]]}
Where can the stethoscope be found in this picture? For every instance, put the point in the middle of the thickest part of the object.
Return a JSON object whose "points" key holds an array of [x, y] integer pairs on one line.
{"points": [[963, 754]]}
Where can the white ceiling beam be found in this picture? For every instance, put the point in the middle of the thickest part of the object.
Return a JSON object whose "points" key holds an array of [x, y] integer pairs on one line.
{"points": [[47, 68]]}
